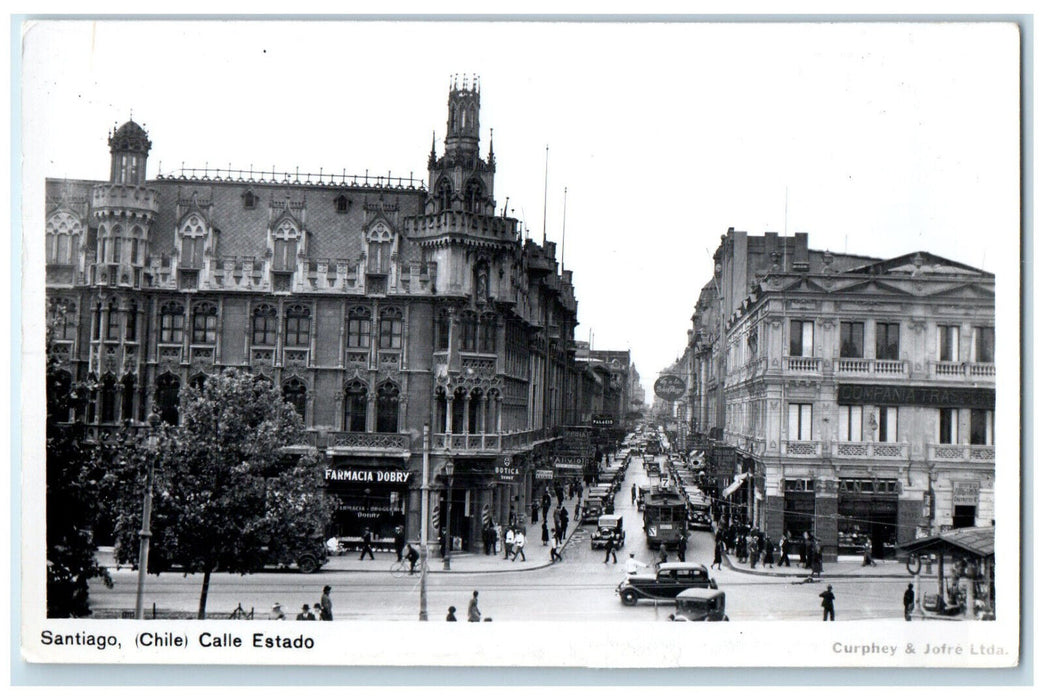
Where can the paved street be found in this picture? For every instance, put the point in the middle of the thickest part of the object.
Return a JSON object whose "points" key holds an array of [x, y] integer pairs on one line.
{"points": [[580, 588]]}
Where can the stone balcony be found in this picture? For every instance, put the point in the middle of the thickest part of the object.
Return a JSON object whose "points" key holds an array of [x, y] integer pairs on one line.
{"points": [[873, 450], [802, 448], [396, 445], [802, 365], [962, 371], [962, 453], [488, 444], [863, 367]]}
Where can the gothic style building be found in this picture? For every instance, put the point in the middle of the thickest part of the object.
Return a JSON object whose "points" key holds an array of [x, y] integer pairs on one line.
{"points": [[378, 305], [856, 394]]}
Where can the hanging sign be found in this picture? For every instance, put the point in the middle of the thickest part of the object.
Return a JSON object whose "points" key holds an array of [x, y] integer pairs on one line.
{"points": [[669, 387]]}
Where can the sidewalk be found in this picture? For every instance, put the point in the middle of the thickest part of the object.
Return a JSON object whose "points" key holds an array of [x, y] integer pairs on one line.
{"points": [[537, 555], [845, 567]]}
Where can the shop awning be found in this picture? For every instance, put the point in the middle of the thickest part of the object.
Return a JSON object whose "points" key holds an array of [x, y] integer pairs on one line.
{"points": [[978, 541], [736, 483]]}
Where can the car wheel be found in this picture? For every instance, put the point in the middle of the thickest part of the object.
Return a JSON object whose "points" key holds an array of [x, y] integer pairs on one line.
{"points": [[629, 597], [308, 564]]}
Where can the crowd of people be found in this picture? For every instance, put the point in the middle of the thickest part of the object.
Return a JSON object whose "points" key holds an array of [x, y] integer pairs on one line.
{"points": [[754, 546]]}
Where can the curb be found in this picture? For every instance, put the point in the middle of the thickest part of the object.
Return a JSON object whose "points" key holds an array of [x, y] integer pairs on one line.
{"points": [[753, 572]]}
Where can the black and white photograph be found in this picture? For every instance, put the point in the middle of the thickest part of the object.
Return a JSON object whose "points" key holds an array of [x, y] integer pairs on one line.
{"points": [[341, 335]]}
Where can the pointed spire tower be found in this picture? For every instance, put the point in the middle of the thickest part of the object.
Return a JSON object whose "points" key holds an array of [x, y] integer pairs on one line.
{"points": [[460, 179]]}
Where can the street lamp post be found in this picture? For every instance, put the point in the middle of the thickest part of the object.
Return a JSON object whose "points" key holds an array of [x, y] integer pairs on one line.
{"points": [[449, 510], [145, 534], [425, 476]]}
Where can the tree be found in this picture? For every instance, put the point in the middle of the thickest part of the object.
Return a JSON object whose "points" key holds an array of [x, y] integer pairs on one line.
{"points": [[72, 498], [227, 495]]}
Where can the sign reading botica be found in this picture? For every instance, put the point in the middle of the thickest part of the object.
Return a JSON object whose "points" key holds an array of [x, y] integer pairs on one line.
{"points": [[669, 387], [507, 469]]}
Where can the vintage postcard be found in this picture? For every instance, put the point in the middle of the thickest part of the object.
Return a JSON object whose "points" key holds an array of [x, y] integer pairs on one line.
{"points": [[340, 336]]}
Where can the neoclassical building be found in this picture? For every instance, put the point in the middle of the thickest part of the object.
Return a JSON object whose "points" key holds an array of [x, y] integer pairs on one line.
{"points": [[379, 305], [857, 393]]}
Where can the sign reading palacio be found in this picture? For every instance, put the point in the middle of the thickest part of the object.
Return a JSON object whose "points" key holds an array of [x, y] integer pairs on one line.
{"points": [[905, 395]]}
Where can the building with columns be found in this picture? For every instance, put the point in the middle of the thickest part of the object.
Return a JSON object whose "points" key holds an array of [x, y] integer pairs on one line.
{"points": [[379, 305], [857, 394]]}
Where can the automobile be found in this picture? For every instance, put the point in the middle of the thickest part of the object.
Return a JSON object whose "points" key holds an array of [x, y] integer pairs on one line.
{"points": [[608, 524], [700, 605], [669, 580], [593, 507]]}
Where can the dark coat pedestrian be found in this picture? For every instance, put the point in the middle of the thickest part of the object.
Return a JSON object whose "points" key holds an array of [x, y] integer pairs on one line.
{"points": [[474, 614], [559, 494], [400, 541], [610, 548], [412, 555], [784, 556], [543, 533], [817, 558], [326, 605], [451, 615], [545, 503], [535, 512], [719, 547], [683, 543], [634, 494], [306, 613], [908, 602], [770, 550], [367, 544], [828, 603]]}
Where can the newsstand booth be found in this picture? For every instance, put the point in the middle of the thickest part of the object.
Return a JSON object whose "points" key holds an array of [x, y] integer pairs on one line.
{"points": [[367, 495], [964, 562]]}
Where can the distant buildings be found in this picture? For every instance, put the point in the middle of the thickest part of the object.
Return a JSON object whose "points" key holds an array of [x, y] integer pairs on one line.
{"points": [[379, 305], [856, 394]]}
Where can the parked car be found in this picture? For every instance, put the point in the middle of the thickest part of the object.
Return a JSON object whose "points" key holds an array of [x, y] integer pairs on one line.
{"points": [[608, 525], [700, 605], [593, 507], [669, 580]]}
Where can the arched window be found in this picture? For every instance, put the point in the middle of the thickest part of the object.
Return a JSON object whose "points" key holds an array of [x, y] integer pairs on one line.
{"points": [[63, 235], [136, 235], [298, 322], [107, 394], [355, 407], [458, 410], [193, 240], [172, 322], [388, 408], [473, 196], [468, 331], [444, 194], [487, 341], [474, 408], [265, 325], [391, 329], [204, 323], [131, 327], [127, 405], [341, 204], [442, 330], [167, 389], [249, 200], [294, 393], [284, 246], [359, 328], [116, 243], [112, 322], [62, 319], [378, 249], [198, 381]]}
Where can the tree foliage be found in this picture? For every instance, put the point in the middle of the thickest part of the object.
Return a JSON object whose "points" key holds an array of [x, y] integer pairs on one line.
{"points": [[74, 474], [227, 496]]}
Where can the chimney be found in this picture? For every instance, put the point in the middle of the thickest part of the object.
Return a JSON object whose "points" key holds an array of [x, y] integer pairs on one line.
{"points": [[801, 251]]}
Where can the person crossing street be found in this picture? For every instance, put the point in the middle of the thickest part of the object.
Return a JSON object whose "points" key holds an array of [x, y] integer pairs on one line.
{"points": [[610, 548]]}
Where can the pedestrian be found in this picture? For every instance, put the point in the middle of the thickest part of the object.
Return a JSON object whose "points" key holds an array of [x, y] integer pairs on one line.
{"points": [[719, 546], [555, 556], [559, 494], [498, 537], [576, 509], [326, 605], [817, 558], [367, 542], [277, 613], [828, 603], [565, 520], [534, 514], [509, 541], [753, 549], [633, 565], [868, 553], [557, 533], [520, 543], [770, 550], [400, 542], [474, 615], [610, 548], [451, 615], [805, 551], [306, 613], [543, 533], [634, 494], [908, 602], [487, 538], [412, 555], [741, 549], [683, 543], [317, 612], [663, 554], [545, 503], [784, 556]]}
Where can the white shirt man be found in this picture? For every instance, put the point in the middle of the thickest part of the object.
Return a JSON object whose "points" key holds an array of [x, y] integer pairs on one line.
{"points": [[633, 565], [520, 542]]}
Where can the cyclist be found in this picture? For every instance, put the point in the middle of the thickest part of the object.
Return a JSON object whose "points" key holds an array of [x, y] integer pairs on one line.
{"points": [[412, 556]]}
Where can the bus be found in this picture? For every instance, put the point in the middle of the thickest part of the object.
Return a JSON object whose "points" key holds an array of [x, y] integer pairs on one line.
{"points": [[665, 518]]}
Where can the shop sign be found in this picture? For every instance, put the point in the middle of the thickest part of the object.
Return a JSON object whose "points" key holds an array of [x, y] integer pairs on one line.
{"points": [[966, 493], [669, 387], [544, 474], [888, 395], [369, 476], [603, 420], [507, 470]]}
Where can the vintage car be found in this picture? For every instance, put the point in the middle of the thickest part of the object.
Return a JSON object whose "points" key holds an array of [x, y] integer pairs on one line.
{"points": [[593, 507], [608, 525], [670, 579], [700, 605]]}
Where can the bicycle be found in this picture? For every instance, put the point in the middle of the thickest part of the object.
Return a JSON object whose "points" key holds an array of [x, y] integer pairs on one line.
{"points": [[240, 614], [401, 568]]}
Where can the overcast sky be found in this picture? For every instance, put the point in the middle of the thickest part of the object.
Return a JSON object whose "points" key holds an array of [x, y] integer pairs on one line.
{"points": [[876, 139]]}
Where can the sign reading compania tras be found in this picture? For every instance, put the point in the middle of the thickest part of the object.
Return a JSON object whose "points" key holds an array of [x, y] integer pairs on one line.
{"points": [[905, 395]]}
